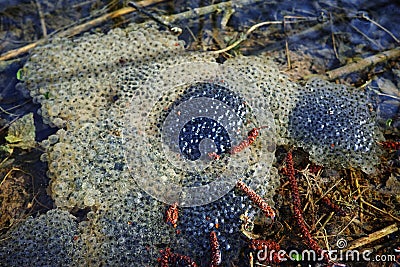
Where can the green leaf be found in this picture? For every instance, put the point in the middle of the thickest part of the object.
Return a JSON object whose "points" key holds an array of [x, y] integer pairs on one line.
{"points": [[20, 74], [13, 139], [296, 257], [21, 133], [6, 149]]}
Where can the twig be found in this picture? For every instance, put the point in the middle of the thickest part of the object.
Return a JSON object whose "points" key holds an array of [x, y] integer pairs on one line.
{"points": [[333, 38], [363, 16], [78, 29], [309, 197], [226, 17], [40, 203], [41, 16], [154, 17], [8, 124], [364, 63], [201, 11], [366, 37], [288, 54], [324, 223], [330, 189], [22, 50], [382, 94], [359, 196], [6, 112], [83, 3], [378, 209], [346, 226], [373, 236], [96, 22], [15, 107]]}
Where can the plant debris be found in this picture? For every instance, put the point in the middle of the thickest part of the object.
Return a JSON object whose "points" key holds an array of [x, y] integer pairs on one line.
{"points": [[21, 133]]}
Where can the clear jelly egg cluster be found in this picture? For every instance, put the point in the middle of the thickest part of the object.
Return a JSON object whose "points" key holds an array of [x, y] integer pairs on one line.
{"points": [[144, 124]]}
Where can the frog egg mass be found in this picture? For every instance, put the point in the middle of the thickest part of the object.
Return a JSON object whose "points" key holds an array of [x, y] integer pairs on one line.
{"points": [[144, 123]]}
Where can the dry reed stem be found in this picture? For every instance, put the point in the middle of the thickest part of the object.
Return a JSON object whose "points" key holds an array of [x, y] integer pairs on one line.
{"points": [[41, 16], [373, 236], [364, 63]]}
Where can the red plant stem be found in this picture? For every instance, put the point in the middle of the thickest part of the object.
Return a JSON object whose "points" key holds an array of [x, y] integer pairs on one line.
{"points": [[171, 215], [393, 145], [259, 201], [165, 254], [268, 246], [314, 169], [215, 252], [333, 206], [168, 257], [258, 244], [298, 213], [251, 138]]}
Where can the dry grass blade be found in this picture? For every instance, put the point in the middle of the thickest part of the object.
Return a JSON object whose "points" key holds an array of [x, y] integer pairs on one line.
{"points": [[378, 209], [364, 16], [244, 37], [8, 174]]}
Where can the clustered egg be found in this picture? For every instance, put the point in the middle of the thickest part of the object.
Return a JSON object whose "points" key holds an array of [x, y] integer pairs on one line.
{"points": [[140, 119]]}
